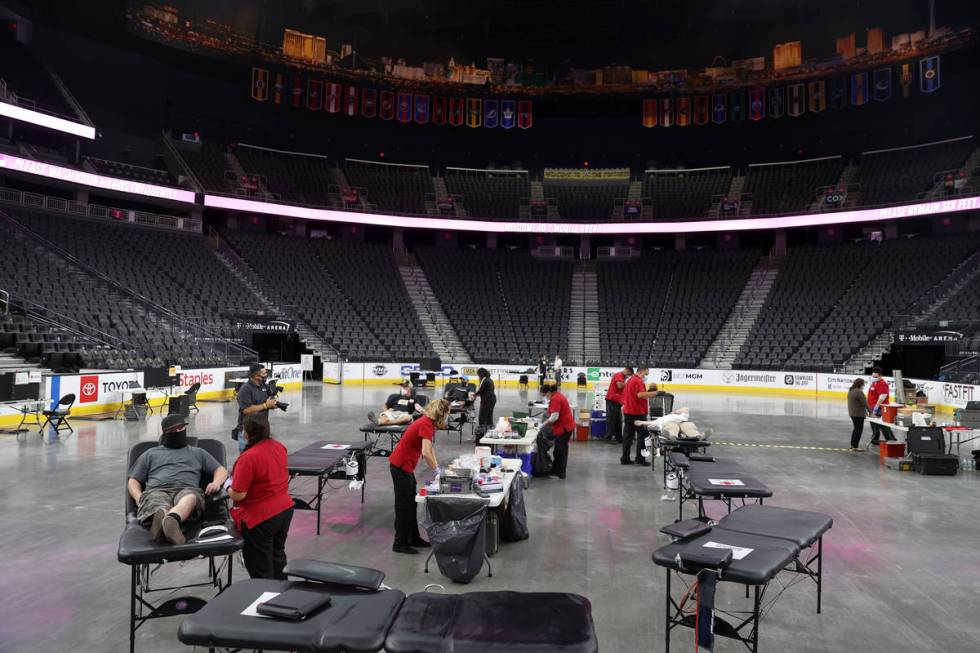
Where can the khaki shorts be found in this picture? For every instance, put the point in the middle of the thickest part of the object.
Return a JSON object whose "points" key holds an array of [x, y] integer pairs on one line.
{"points": [[166, 498], [686, 429]]}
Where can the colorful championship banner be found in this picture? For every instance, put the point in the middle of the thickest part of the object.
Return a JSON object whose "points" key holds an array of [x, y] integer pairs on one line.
{"points": [[474, 112], [422, 109], [456, 111], [796, 103], [777, 102], [439, 110], [737, 103], [334, 96], [525, 118], [859, 89], [350, 100], [491, 117], [666, 112], [929, 74], [757, 104], [260, 84], [508, 114], [817, 92], [403, 110], [651, 115], [296, 91], [701, 112], [719, 108], [279, 89], [314, 94], [883, 84], [369, 103], [387, 109], [905, 78], [838, 92], [683, 111]]}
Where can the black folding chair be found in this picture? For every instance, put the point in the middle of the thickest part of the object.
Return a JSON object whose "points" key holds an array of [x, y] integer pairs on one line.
{"points": [[58, 416]]}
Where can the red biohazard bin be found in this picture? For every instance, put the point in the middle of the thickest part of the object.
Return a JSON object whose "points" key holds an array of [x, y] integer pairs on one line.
{"points": [[890, 450], [582, 432]]}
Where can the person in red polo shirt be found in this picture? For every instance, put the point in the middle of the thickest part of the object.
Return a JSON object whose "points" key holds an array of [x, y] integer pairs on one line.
{"points": [[263, 508], [562, 425], [415, 443], [635, 408], [614, 404], [877, 397]]}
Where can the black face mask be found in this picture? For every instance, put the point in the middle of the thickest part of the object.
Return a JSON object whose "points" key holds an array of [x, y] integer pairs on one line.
{"points": [[174, 439]]}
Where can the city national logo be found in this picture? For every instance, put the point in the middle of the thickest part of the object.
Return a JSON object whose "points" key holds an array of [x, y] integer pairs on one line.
{"points": [[88, 387]]}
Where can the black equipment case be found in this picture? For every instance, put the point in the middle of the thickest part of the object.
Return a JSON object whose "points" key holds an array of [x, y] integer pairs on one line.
{"points": [[927, 447]]}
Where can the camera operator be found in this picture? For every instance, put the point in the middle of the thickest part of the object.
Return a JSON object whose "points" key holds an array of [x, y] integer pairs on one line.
{"points": [[254, 399]]}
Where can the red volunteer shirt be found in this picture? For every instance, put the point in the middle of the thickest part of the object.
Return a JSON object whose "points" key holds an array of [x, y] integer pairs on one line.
{"points": [[566, 422], [877, 389], [614, 393], [409, 449], [261, 472], [633, 405]]}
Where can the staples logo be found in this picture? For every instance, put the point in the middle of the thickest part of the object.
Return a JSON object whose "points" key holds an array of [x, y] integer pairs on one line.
{"points": [[205, 378], [88, 387]]}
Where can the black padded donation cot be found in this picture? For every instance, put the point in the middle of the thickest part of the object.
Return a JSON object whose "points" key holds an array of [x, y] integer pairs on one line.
{"points": [[325, 460], [750, 546], [707, 479], [365, 616], [375, 433]]}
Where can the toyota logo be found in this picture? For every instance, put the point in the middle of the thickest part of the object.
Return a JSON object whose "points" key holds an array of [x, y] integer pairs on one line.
{"points": [[88, 389]]}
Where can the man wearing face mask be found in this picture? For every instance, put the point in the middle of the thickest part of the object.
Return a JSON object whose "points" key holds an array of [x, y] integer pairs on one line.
{"points": [[877, 397], [253, 399], [165, 482]]}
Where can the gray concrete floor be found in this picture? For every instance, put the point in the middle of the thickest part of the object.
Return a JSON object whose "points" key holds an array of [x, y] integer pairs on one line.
{"points": [[902, 561]]}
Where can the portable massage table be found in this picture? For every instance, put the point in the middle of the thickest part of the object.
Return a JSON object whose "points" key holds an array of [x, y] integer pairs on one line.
{"points": [[365, 616], [325, 460], [376, 434], [750, 546], [137, 551], [680, 446], [707, 479]]}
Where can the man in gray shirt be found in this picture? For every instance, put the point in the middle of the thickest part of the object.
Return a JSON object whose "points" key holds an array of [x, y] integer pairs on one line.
{"points": [[253, 399], [165, 482]]}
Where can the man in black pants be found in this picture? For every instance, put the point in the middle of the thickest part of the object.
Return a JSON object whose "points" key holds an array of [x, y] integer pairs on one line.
{"points": [[614, 404], [635, 408], [561, 422]]}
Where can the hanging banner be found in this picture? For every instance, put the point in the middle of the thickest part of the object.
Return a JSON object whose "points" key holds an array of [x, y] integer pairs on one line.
{"points": [[777, 102], [757, 104], [296, 92], [474, 112], [403, 112], [737, 103], [859, 89], [387, 109], [456, 111], [905, 77], [929, 74], [369, 103], [719, 108], [260, 84], [683, 111], [701, 110], [350, 100], [279, 89], [314, 94], [524, 117], [491, 117], [421, 109], [650, 112], [817, 92], [838, 92], [508, 114], [666, 112], [332, 101], [438, 110], [797, 99], [883, 84]]}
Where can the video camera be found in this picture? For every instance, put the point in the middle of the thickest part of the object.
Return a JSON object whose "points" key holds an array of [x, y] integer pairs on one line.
{"points": [[272, 390]]}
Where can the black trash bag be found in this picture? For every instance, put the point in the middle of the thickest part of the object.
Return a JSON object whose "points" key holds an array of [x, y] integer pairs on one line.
{"points": [[541, 461], [513, 527], [456, 527]]}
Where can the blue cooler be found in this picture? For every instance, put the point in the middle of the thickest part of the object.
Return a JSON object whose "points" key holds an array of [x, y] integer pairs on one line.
{"points": [[525, 463], [598, 421]]}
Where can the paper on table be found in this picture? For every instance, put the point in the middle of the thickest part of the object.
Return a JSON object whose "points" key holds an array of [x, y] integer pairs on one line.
{"points": [[250, 611], [725, 481], [20, 378], [335, 446], [738, 552]]}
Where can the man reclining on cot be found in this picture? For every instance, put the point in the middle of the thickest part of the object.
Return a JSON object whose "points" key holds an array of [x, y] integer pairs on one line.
{"points": [[400, 408], [676, 424]]}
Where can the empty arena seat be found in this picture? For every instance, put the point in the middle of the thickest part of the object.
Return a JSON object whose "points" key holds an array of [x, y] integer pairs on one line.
{"points": [[496, 194], [209, 165], [790, 186], [132, 172], [684, 194], [291, 176], [591, 200], [903, 174], [392, 187]]}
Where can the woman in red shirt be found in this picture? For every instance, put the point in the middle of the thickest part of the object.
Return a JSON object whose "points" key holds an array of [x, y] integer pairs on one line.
{"points": [[415, 443], [562, 425], [263, 508]]}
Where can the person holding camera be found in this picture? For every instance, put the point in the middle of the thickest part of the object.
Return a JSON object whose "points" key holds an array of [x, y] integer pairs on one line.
{"points": [[254, 400]]}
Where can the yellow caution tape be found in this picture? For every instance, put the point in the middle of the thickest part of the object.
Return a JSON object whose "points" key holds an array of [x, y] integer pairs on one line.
{"points": [[778, 446]]}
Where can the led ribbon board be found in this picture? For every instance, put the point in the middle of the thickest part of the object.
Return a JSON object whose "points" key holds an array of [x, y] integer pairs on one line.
{"points": [[45, 120]]}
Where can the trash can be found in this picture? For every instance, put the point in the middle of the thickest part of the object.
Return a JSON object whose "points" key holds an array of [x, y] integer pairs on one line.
{"points": [[582, 431], [598, 421]]}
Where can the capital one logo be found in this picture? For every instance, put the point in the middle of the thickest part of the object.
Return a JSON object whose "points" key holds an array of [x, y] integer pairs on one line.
{"points": [[88, 387]]}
